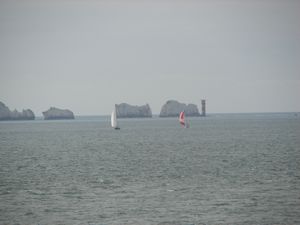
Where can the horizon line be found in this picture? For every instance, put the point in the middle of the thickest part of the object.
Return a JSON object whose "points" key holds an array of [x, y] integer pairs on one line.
{"points": [[207, 114]]}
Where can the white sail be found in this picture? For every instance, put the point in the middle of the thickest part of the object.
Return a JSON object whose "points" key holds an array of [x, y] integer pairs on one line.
{"points": [[114, 123]]}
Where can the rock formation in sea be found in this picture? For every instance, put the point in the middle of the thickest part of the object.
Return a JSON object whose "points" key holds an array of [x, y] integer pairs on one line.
{"points": [[6, 114], [125, 110], [172, 108], [56, 114]]}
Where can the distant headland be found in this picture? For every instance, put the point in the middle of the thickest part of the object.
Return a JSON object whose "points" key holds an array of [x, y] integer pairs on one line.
{"points": [[171, 108], [6, 114]]}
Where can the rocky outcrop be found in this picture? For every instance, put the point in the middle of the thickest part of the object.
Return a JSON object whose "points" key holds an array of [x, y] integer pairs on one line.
{"points": [[6, 114], [56, 114], [125, 110], [172, 108]]}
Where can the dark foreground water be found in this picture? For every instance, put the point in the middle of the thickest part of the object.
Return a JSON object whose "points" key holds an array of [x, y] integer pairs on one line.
{"points": [[225, 169]]}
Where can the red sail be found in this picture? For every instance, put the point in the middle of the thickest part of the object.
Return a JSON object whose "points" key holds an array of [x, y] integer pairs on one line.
{"points": [[181, 119]]}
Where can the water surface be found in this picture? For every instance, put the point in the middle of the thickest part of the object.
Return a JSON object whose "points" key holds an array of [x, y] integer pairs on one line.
{"points": [[224, 169]]}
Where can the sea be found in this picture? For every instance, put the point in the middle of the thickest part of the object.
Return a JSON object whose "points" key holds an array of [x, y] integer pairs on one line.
{"points": [[224, 169]]}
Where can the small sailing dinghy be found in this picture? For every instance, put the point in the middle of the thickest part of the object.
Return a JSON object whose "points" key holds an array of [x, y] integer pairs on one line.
{"points": [[114, 122], [183, 121]]}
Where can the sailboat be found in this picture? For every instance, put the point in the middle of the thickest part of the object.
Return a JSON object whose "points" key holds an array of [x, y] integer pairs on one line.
{"points": [[183, 121], [114, 122]]}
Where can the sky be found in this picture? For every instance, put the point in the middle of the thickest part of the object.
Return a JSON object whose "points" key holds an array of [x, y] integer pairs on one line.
{"points": [[86, 56]]}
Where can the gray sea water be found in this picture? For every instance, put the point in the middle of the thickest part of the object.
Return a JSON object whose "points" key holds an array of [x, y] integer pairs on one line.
{"points": [[224, 169]]}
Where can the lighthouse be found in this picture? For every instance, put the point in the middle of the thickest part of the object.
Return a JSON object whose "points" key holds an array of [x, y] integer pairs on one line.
{"points": [[203, 107]]}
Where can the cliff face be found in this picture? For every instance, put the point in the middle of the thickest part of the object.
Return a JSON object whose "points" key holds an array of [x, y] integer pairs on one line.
{"points": [[125, 110], [55, 113], [6, 114], [172, 108]]}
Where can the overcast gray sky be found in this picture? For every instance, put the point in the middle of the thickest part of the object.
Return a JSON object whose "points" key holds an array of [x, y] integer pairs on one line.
{"points": [[242, 56]]}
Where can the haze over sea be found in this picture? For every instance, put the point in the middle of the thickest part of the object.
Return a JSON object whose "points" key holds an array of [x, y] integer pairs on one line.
{"points": [[224, 169]]}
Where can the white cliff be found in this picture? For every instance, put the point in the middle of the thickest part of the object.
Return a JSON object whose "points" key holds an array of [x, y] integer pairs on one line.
{"points": [[6, 114], [172, 108], [55, 113], [125, 110]]}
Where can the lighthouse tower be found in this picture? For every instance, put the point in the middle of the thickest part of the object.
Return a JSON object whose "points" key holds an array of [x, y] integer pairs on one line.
{"points": [[203, 107]]}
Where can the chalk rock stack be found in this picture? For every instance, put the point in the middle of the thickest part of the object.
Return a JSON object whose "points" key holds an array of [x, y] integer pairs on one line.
{"points": [[55, 114], [172, 108], [125, 110]]}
